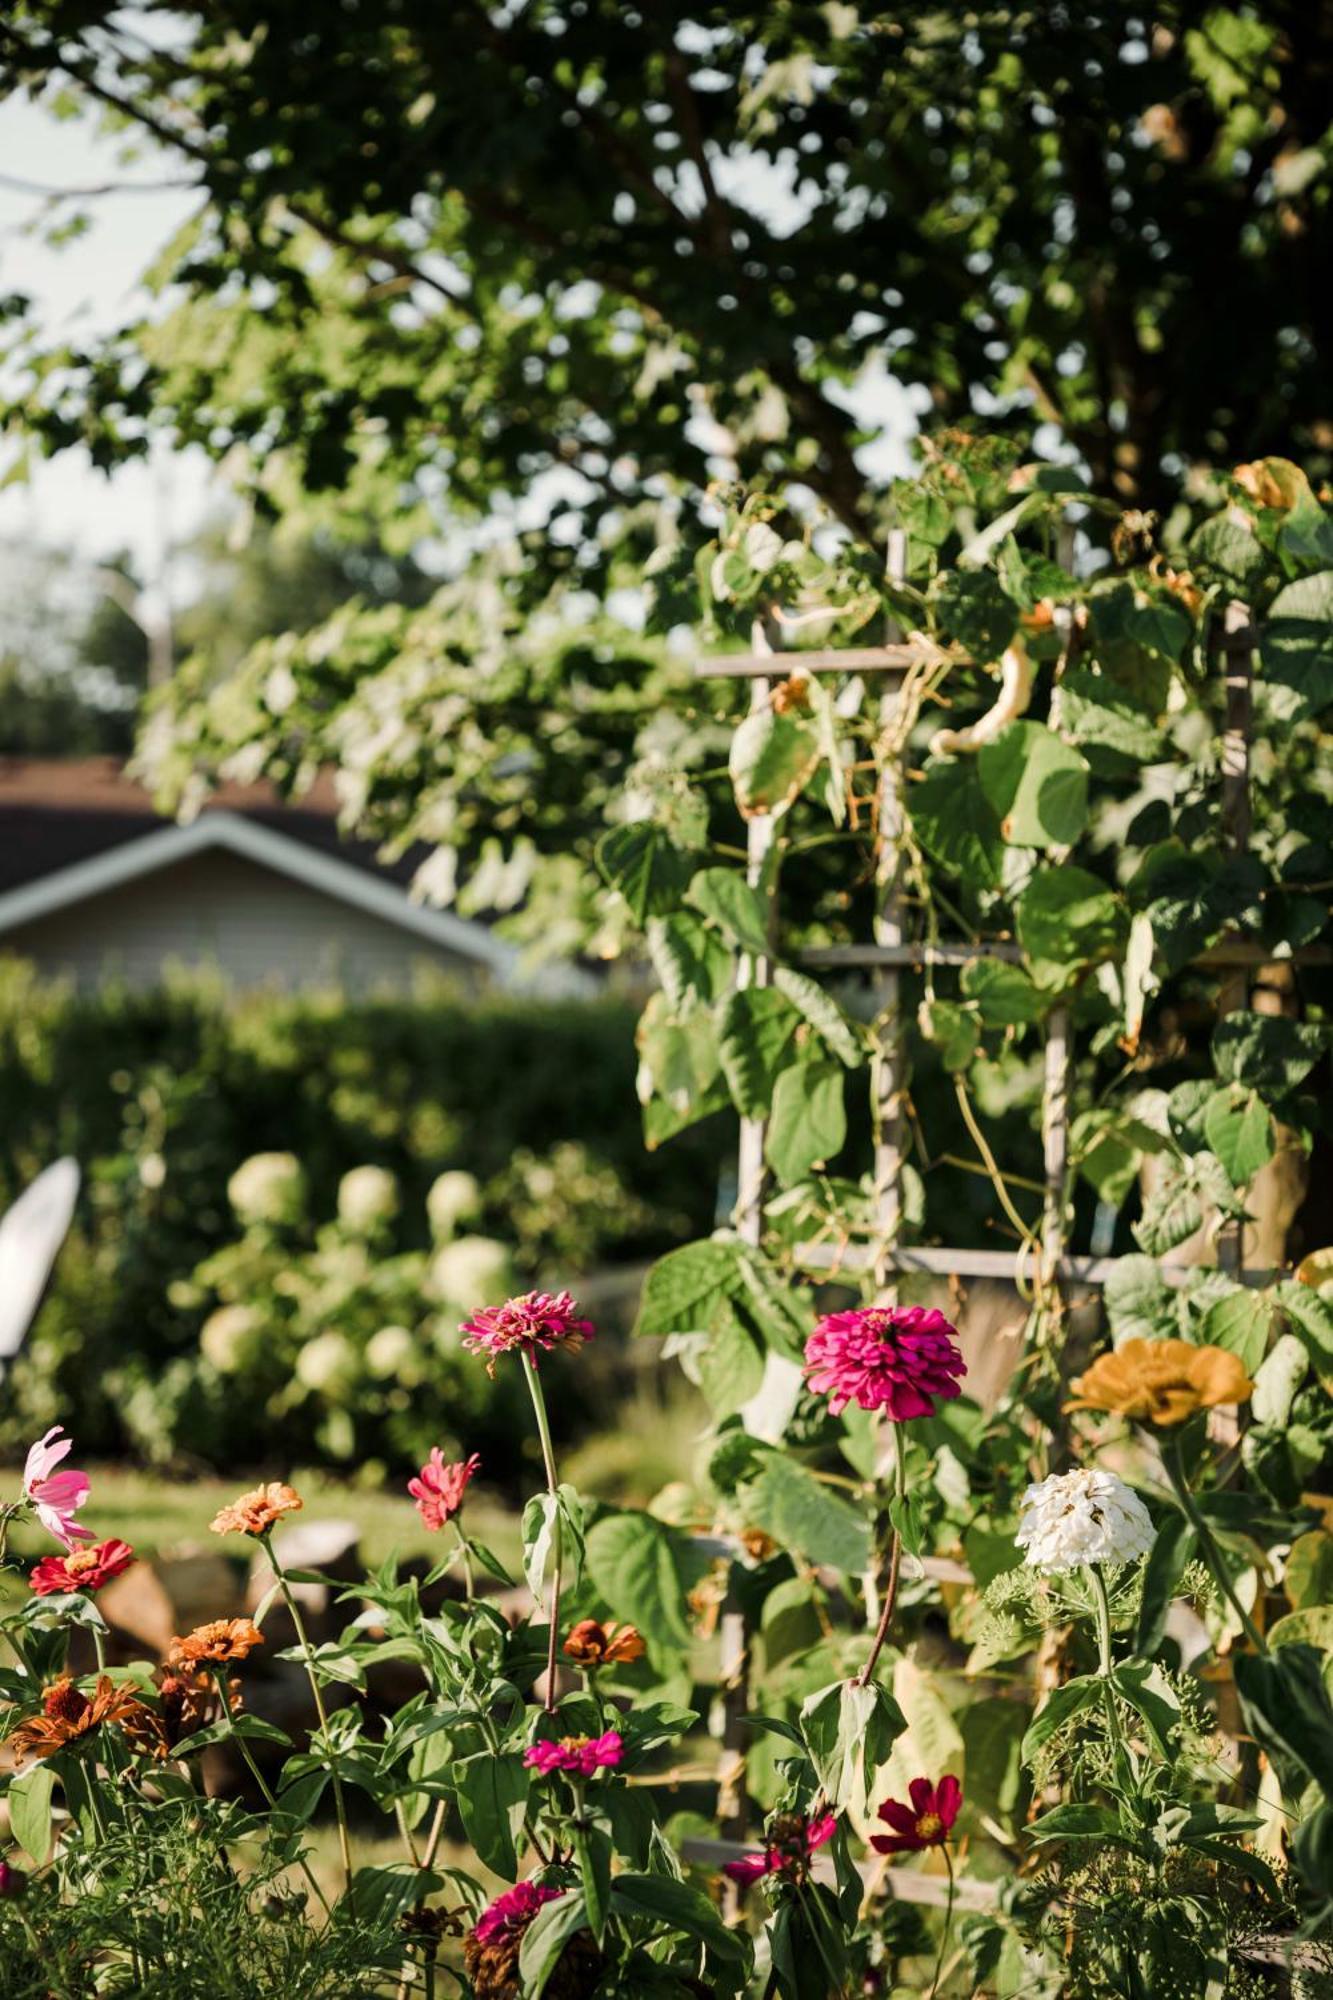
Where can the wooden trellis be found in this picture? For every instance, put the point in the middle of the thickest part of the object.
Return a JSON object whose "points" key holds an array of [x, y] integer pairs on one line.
{"points": [[889, 955]]}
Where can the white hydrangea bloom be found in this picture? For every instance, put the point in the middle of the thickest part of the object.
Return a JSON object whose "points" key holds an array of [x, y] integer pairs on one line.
{"points": [[268, 1187], [367, 1195], [1076, 1518]]}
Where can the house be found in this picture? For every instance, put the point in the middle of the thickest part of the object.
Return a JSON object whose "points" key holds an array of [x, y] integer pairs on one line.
{"points": [[95, 882]]}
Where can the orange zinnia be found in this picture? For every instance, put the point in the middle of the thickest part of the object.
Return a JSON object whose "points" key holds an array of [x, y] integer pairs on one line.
{"points": [[1161, 1381], [69, 1716], [595, 1645], [254, 1513], [225, 1639]]}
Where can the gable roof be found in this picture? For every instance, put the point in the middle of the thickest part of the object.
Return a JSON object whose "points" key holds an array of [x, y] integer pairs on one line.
{"points": [[329, 873]]}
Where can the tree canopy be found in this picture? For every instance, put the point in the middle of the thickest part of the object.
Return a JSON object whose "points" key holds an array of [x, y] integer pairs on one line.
{"points": [[443, 249]]}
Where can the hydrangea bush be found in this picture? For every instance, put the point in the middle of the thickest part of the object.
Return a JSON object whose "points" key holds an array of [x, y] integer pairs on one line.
{"points": [[1021, 1676]]}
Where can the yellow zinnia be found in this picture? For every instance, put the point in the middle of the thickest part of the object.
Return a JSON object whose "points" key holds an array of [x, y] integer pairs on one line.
{"points": [[1161, 1381]]}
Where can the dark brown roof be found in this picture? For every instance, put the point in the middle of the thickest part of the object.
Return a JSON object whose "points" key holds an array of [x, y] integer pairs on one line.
{"points": [[56, 813]]}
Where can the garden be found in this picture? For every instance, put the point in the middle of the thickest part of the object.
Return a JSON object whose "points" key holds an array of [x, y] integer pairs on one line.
{"points": [[809, 1473]]}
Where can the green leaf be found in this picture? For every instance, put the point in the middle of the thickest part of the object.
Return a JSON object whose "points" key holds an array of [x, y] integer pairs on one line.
{"points": [[632, 1561], [992, 1732], [1296, 647], [1286, 1708], [731, 1366], [1004, 995], [545, 1939], [740, 912], [1067, 919], [643, 866], [1036, 784], [849, 1731], [29, 1799], [1138, 1301], [1267, 1052], [1110, 724], [808, 1125], [680, 1070], [974, 609], [685, 1290], [492, 1792], [593, 1852], [1239, 1128], [691, 961], [1138, 637], [1078, 1822], [675, 1906], [1060, 1707], [1172, 1549], [772, 759], [1241, 1322], [383, 1894], [955, 1031], [1307, 1575], [756, 1030], [1312, 1626], [1146, 1688], [956, 823], [800, 1512], [1310, 1317], [813, 1003]]}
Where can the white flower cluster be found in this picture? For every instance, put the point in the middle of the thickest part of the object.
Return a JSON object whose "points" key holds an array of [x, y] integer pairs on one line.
{"points": [[1076, 1518]]}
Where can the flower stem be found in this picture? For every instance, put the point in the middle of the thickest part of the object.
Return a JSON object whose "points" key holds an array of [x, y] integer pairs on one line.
{"points": [[464, 1549], [948, 1923], [553, 1488], [1208, 1549], [303, 1638], [265, 1789], [895, 1564], [1102, 1606]]}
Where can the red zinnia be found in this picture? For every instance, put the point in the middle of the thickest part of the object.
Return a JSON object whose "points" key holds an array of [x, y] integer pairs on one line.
{"points": [[438, 1489], [927, 1822], [84, 1569], [581, 1755], [891, 1358], [533, 1323], [792, 1840], [512, 1912]]}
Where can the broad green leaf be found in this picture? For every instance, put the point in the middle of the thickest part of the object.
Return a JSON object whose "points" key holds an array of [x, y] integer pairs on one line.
{"points": [[691, 961], [632, 1561], [993, 1732], [1241, 1323], [1138, 638], [849, 1731], [1077, 1822], [680, 1070], [813, 1002], [1147, 1690], [1173, 1547], [756, 1030], [731, 1366], [1138, 1301], [1267, 1052], [800, 1512], [1003, 994], [1060, 1706], [643, 866], [956, 823], [955, 1031], [974, 609], [772, 759], [1307, 1575], [684, 1290], [384, 1893], [1066, 920], [676, 1906], [1286, 1706], [29, 1800], [492, 1792], [545, 1939], [1037, 785], [740, 912], [1239, 1128], [1311, 1626], [1297, 644], [1107, 721], [1108, 1147], [808, 1123], [1310, 1317]]}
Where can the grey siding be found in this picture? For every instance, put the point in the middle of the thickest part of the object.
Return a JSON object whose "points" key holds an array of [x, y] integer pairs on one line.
{"points": [[256, 927]]}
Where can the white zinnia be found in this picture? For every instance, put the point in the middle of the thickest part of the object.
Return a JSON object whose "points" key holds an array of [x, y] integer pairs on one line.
{"points": [[1075, 1518]]}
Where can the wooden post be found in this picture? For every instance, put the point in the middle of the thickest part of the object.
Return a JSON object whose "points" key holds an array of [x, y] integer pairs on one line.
{"points": [[756, 971], [887, 1069]]}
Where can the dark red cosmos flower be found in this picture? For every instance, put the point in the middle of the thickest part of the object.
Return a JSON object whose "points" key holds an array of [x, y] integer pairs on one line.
{"points": [[82, 1569], [927, 1822]]}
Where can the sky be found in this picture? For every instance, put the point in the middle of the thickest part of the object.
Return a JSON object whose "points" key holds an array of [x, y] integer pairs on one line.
{"points": [[146, 508]]}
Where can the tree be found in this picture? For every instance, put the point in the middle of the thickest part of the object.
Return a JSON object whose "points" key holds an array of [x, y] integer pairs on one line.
{"points": [[447, 252]]}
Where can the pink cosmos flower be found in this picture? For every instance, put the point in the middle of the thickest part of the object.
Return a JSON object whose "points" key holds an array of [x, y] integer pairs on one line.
{"points": [[88, 1569], [56, 1496], [891, 1358], [438, 1490], [510, 1914], [927, 1822], [793, 1840], [534, 1322], [580, 1755]]}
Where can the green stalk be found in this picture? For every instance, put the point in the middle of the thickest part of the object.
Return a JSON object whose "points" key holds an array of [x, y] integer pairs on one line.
{"points": [[895, 1563], [1208, 1549], [553, 1488], [265, 1789], [464, 1549], [339, 1801], [948, 1922]]}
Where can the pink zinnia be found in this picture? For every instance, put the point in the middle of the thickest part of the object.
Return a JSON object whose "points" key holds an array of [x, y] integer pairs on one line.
{"points": [[580, 1755], [509, 1915], [438, 1490], [87, 1569], [927, 1822], [56, 1496], [793, 1844], [890, 1358], [536, 1321]]}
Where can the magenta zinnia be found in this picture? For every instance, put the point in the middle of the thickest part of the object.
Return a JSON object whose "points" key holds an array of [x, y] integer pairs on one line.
{"points": [[892, 1358], [579, 1755], [511, 1913], [533, 1323], [439, 1488], [792, 1840]]}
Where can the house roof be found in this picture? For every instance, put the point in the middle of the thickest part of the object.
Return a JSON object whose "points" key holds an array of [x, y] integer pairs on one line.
{"points": [[71, 831]]}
